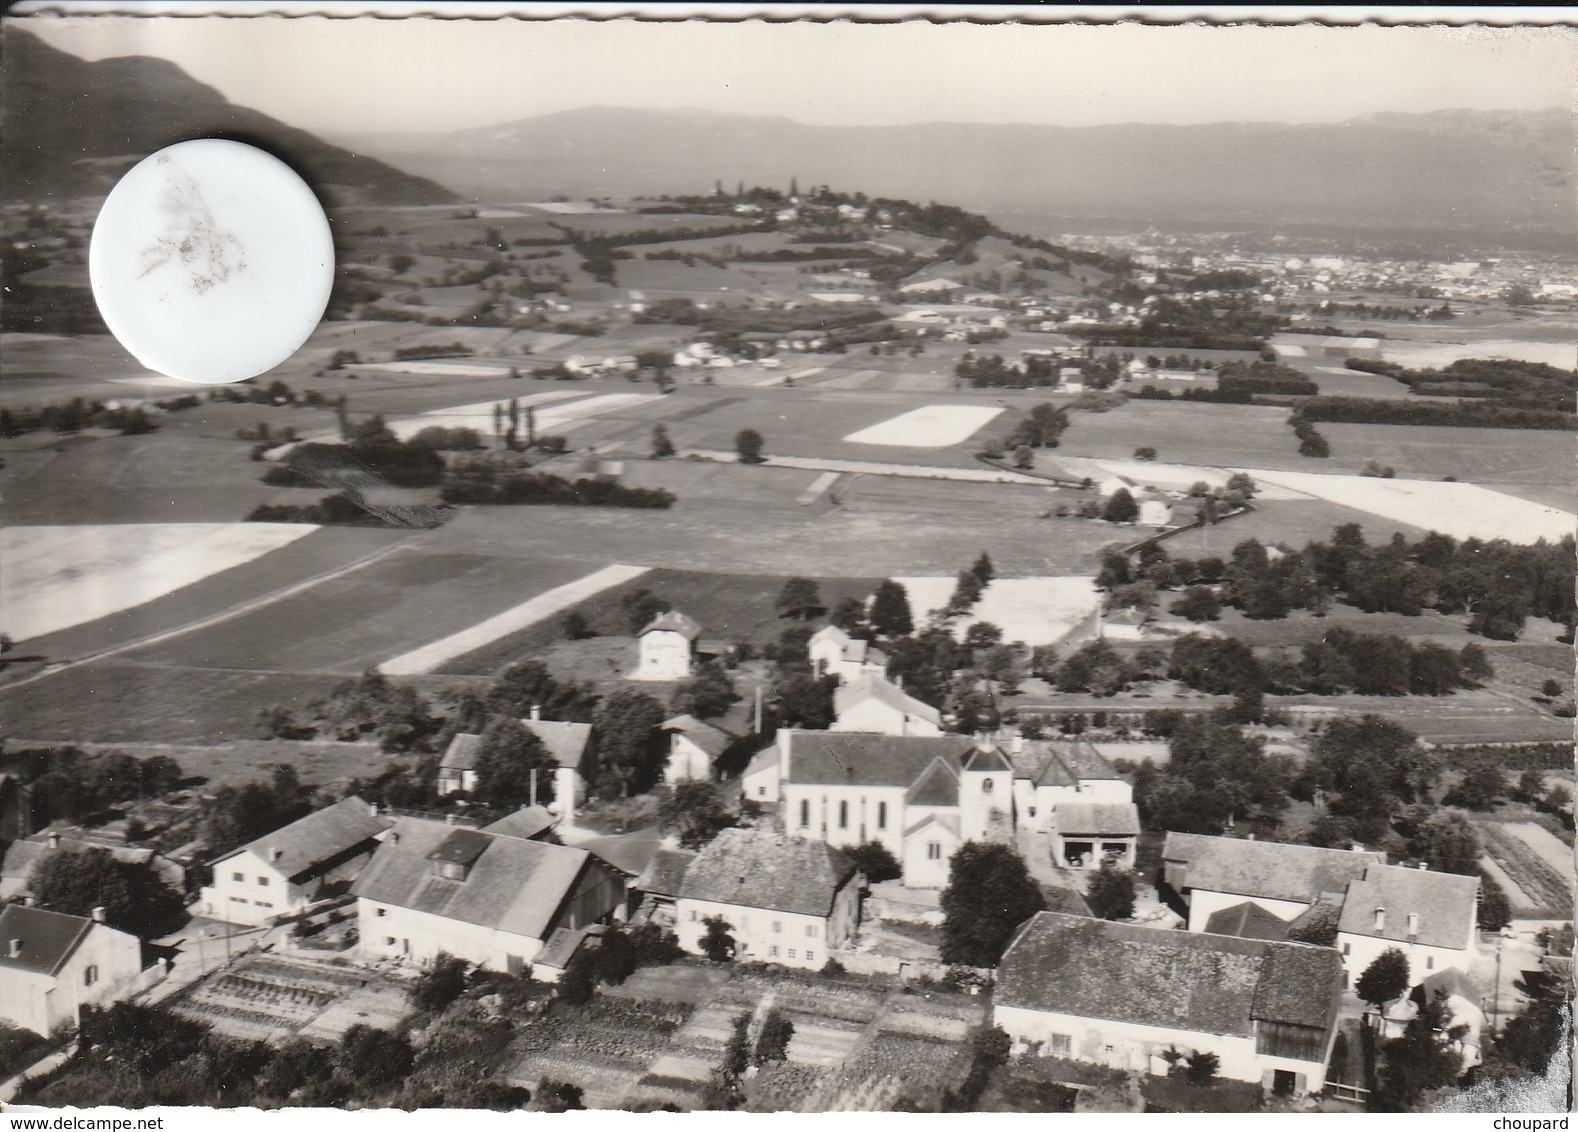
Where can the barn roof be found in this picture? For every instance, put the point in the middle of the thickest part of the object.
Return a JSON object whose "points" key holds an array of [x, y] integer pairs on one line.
{"points": [[1117, 819], [756, 869], [674, 622], [874, 685], [1444, 904], [317, 838], [1247, 921], [45, 939], [1266, 869]]}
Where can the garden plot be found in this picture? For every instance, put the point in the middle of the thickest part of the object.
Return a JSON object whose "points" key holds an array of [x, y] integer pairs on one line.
{"points": [[429, 657], [52, 578], [933, 426], [1538, 866], [1462, 510], [1037, 611]]}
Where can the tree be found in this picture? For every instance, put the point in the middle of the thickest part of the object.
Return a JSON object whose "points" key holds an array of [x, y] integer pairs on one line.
{"points": [[850, 616], [1422, 1059], [1120, 507], [507, 755], [133, 897], [439, 985], [748, 445], [370, 1056], [706, 695], [1110, 892], [966, 592], [630, 754], [1242, 483], [985, 571], [772, 1043], [982, 635], [662, 446], [695, 812], [800, 599], [876, 861], [1495, 911], [1447, 842], [990, 893], [1145, 453], [1534, 1038], [1197, 603], [890, 611], [1385, 979], [1024, 457], [1202, 1067], [1483, 787], [717, 944], [1373, 763]]}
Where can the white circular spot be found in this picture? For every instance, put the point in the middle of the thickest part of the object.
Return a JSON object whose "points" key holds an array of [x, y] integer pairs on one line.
{"points": [[211, 261]]}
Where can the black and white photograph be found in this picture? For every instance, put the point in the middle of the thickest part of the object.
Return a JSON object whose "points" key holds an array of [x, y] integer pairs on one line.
{"points": [[786, 559]]}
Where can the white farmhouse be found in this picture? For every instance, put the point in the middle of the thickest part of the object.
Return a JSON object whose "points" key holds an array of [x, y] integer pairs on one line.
{"points": [[1428, 916], [693, 748], [873, 703], [52, 965], [279, 874], [785, 900], [667, 648], [1121, 995], [568, 743], [835, 653]]}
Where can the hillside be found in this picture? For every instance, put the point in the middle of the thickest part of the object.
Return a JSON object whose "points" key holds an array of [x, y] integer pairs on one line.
{"points": [[1490, 171], [69, 127]]}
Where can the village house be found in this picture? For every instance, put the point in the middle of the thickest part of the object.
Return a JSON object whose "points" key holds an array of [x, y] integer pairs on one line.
{"points": [[52, 965], [1460, 1001], [281, 873], [694, 746], [667, 648], [654, 892], [569, 744], [1071, 792], [786, 900], [1122, 995], [834, 652], [482, 895], [24, 857], [872, 703], [1350, 899]]}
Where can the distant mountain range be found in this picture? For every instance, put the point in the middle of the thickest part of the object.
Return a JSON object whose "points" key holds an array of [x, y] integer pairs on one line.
{"points": [[1489, 171], [69, 128]]}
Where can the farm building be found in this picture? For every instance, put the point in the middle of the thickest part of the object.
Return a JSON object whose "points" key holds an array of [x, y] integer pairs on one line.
{"points": [[786, 900], [279, 874], [1069, 790], [1121, 995], [1428, 916], [693, 748], [657, 888], [482, 895], [872, 703], [52, 965], [26, 855], [568, 743], [835, 652], [667, 648]]}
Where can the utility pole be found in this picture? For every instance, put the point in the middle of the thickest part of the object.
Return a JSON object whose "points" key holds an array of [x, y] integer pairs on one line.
{"points": [[534, 786], [758, 721]]}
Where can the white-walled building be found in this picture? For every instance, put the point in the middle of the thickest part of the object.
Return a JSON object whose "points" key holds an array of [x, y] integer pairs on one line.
{"points": [[874, 704], [786, 900], [694, 746], [1121, 995], [279, 874], [479, 894], [667, 648], [568, 743], [1430, 917], [835, 653], [1069, 790], [52, 965]]}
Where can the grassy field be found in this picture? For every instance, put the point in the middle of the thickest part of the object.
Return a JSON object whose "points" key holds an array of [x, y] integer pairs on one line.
{"points": [[1186, 433], [246, 760], [1473, 455], [1291, 522]]}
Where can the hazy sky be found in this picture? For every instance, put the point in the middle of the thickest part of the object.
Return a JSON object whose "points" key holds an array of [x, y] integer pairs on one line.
{"points": [[422, 74]]}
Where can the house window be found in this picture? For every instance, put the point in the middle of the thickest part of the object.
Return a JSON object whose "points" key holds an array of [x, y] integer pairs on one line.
{"points": [[1347, 949], [761, 791], [263, 881], [934, 850], [263, 904], [238, 876], [986, 786], [1060, 1044], [810, 956], [389, 941], [694, 915], [843, 815], [810, 931], [805, 812], [90, 974], [882, 815], [772, 951], [791, 953], [383, 911], [1430, 962]]}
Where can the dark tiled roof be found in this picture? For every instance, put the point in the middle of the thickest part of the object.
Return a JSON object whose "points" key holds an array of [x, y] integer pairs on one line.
{"points": [[848, 758], [674, 622], [754, 869], [566, 742], [1318, 923], [1248, 921], [1186, 981], [665, 872], [461, 754], [1066, 900], [1117, 819], [47, 938], [462, 847], [319, 837], [1266, 869], [560, 947], [1048, 763], [513, 886], [710, 739], [938, 785], [1443, 902], [527, 822]]}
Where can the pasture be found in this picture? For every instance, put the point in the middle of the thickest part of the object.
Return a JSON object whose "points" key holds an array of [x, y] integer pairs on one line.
{"points": [[1286, 522], [1036, 611], [932, 426], [1185, 432], [1474, 455]]}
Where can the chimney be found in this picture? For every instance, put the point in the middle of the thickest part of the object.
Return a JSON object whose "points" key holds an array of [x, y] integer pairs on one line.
{"points": [[536, 712], [13, 948], [372, 808], [898, 681], [1380, 919], [1249, 837], [1017, 743], [275, 853], [98, 915], [54, 839], [1356, 848], [449, 819], [1413, 925], [27, 901]]}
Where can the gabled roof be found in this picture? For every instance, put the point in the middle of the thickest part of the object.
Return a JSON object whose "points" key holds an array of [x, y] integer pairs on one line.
{"points": [[855, 759], [765, 759], [1115, 819], [949, 822], [1247, 921], [461, 754], [1317, 924], [1069, 901], [1267, 869], [938, 785], [710, 739], [1058, 763], [1443, 902], [1186, 981], [47, 938], [756, 869], [527, 822], [665, 872], [513, 885], [566, 742], [876, 686], [673, 622], [987, 759], [317, 838], [24, 856]]}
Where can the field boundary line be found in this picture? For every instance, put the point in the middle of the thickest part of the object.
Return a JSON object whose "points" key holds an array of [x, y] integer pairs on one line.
{"points": [[420, 661], [241, 610]]}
